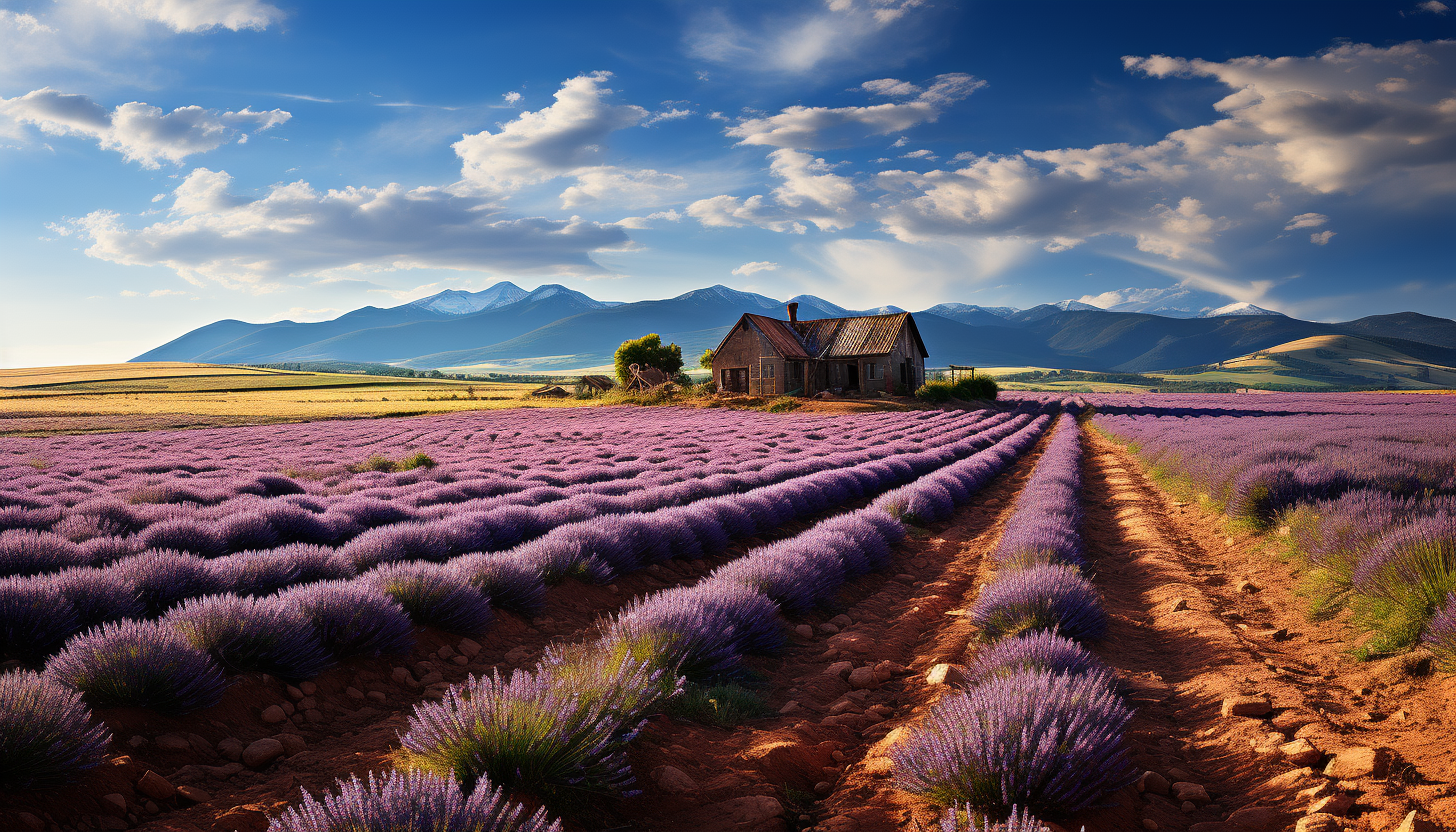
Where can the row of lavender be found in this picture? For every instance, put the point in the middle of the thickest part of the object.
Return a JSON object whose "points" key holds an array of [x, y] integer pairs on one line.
{"points": [[561, 731], [174, 664], [1369, 502], [39, 612], [1040, 726]]}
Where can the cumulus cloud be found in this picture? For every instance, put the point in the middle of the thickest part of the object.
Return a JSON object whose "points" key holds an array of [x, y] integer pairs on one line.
{"points": [[295, 232], [1433, 6], [541, 145], [756, 266], [1321, 238], [140, 132], [841, 31], [196, 15], [673, 114], [814, 128], [620, 186], [809, 191], [1310, 220], [650, 220]]}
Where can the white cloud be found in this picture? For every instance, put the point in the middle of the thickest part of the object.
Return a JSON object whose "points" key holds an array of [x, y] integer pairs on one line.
{"points": [[1321, 238], [841, 32], [809, 192], [1433, 6], [541, 145], [891, 87], [924, 274], [295, 232], [732, 212], [140, 132], [756, 266], [920, 154], [669, 215], [512, 97], [813, 128], [619, 186], [23, 24], [674, 114], [1310, 220], [196, 15]]}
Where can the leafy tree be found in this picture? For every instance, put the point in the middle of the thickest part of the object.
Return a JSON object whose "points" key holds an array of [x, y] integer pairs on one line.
{"points": [[706, 362], [648, 351]]}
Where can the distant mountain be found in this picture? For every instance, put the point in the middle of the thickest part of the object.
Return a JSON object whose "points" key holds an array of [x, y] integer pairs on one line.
{"points": [[554, 327], [1345, 360], [1243, 308], [457, 302]]}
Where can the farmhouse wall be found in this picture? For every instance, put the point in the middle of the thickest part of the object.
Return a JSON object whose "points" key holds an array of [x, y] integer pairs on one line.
{"points": [[752, 365]]}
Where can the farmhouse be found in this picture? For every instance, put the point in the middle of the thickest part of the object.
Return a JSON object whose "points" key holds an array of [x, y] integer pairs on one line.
{"points": [[765, 356]]}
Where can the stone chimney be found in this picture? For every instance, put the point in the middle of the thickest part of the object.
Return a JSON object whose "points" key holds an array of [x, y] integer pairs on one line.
{"points": [[793, 313]]}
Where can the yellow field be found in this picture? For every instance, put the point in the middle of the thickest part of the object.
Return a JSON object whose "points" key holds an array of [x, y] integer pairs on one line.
{"points": [[144, 397]]}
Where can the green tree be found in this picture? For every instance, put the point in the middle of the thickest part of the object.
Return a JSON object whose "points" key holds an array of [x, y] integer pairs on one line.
{"points": [[648, 351], [706, 362]]}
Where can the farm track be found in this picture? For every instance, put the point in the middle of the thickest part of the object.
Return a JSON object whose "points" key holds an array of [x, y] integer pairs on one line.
{"points": [[763, 775], [1243, 632]]}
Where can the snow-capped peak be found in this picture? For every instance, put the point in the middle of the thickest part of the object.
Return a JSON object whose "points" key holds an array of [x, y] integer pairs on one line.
{"points": [[1240, 308]]}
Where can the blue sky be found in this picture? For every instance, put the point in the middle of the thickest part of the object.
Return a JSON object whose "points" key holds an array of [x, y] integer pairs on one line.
{"points": [[167, 163]]}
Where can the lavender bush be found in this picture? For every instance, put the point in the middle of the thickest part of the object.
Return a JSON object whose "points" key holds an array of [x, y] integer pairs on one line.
{"points": [[1050, 597], [1440, 635], [27, 552], [1048, 742], [138, 664], [962, 818], [244, 633], [35, 619], [432, 594], [699, 632], [353, 619], [1037, 650], [413, 801], [46, 732]]}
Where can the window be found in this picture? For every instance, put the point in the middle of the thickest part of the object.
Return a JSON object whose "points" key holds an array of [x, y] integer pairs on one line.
{"points": [[768, 371], [873, 372]]}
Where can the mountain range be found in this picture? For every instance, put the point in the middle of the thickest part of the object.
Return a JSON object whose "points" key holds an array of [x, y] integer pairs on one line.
{"points": [[556, 329]]}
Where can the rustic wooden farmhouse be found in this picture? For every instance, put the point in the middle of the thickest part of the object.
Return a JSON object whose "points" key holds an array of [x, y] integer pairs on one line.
{"points": [[765, 356]]}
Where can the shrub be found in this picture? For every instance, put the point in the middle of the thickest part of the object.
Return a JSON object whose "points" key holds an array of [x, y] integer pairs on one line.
{"points": [[962, 818], [966, 389], [700, 633], [98, 596], [1440, 635], [414, 801], [647, 351], [1039, 650], [553, 734], [509, 582], [26, 552], [138, 664], [46, 733], [190, 536], [251, 634], [433, 594], [163, 578], [35, 618], [352, 619], [1405, 579], [1052, 597], [721, 706], [1048, 742]]}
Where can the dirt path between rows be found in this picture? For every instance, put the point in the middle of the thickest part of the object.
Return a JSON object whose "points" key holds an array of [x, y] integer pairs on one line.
{"points": [[1199, 616]]}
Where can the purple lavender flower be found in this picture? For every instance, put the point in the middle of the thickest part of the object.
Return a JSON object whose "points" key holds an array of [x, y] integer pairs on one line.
{"points": [[1440, 634], [247, 531], [47, 735], [26, 552], [163, 578], [1048, 742], [508, 581], [98, 596], [559, 732], [352, 618], [963, 818], [265, 635], [1037, 650], [183, 536], [1051, 597], [35, 618], [434, 595], [141, 664], [414, 801], [699, 632]]}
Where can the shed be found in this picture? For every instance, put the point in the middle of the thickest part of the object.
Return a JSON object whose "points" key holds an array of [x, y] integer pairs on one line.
{"points": [[550, 391], [646, 378], [594, 384], [867, 354]]}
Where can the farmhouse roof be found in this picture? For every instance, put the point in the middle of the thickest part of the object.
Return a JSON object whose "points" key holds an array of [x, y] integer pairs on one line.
{"points": [[835, 337]]}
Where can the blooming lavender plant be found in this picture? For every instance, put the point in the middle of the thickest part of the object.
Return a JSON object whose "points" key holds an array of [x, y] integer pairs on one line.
{"points": [[352, 618], [433, 594], [35, 618], [413, 801], [1051, 597], [556, 733], [46, 732], [244, 633], [1440, 635], [699, 632], [962, 818], [1049, 742], [1037, 650], [138, 664], [26, 552], [508, 581], [98, 596]]}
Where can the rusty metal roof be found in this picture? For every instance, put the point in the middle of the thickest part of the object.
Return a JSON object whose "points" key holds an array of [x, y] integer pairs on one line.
{"points": [[836, 337], [785, 341]]}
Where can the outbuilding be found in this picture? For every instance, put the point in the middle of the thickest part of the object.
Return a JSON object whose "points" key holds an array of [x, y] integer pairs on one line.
{"points": [[764, 356]]}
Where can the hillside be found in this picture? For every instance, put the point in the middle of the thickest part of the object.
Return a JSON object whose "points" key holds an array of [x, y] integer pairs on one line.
{"points": [[1340, 360]]}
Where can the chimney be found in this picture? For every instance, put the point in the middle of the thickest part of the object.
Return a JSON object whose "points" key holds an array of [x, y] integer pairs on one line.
{"points": [[793, 313]]}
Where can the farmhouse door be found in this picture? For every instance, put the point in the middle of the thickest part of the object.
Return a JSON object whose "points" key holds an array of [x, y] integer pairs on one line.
{"points": [[853, 382], [736, 380]]}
